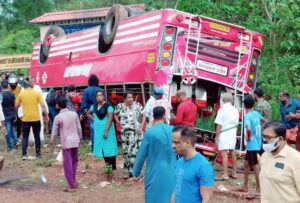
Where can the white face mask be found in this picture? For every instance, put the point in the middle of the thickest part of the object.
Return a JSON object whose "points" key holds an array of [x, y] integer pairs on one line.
{"points": [[270, 147]]}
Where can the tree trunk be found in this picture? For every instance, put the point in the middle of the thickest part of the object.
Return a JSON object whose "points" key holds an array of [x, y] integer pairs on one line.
{"points": [[165, 3]]}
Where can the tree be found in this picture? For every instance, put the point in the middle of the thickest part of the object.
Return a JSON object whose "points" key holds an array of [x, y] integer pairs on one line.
{"points": [[18, 42], [278, 20]]}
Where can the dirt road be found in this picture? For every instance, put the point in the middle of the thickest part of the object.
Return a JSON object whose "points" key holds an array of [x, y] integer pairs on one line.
{"points": [[21, 182]]}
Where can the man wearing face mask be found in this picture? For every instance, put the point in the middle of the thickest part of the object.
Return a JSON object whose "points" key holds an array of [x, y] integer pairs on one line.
{"points": [[289, 118], [280, 167]]}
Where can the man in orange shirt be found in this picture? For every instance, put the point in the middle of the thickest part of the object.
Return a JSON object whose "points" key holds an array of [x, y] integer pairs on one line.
{"points": [[30, 99]]}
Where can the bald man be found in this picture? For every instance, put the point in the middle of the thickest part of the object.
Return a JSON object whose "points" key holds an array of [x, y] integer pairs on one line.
{"points": [[227, 121], [186, 112]]}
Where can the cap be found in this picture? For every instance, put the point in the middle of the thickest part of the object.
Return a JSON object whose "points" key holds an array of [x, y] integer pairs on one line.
{"points": [[159, 90], [12, 79]]}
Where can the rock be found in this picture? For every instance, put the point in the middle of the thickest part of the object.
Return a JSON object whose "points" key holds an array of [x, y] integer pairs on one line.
{"points": [[104, 184], [43, 179], [222, 188]]}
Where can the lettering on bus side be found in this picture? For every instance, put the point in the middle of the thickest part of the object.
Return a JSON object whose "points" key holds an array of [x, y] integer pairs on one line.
{"points": [[78, 70], [220, 27]]}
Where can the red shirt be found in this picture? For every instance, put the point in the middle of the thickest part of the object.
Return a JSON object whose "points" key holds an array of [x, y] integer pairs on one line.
{"points": [[187, 113]]}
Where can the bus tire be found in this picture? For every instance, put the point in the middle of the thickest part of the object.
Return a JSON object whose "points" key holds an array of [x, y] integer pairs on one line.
{"points": [[112, 20], [102, 46], [53, 30], [133, 12]]}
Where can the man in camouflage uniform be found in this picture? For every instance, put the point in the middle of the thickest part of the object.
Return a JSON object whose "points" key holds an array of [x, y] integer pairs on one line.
{"points": [[262, 106]]}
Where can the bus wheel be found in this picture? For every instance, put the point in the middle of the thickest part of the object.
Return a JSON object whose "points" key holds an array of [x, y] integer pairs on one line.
{"points": [[133, 12], [112, 20], [102, 46], [52, 32]]}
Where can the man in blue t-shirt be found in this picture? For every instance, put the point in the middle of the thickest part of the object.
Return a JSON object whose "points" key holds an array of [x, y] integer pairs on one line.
{"points": [[194, 175], [289, 118], [9, 111], [253, 121]]}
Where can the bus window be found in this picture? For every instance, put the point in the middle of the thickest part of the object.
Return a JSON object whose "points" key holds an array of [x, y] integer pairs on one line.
{"points": [[114, 94], [137, 91], [148, 90]]}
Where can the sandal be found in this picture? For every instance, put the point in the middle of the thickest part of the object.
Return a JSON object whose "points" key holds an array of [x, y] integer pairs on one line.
{"points": [[130, 179], [233, 177], [69, 190], [240, 190], [250, 197], [221, 179]]}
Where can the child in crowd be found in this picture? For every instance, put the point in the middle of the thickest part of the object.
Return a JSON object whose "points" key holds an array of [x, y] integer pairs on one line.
{"points": [[253, 121], [67, 125]]}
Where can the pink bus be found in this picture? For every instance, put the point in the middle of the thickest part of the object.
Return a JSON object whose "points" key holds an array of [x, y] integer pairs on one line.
{"points": [[166, 48]]}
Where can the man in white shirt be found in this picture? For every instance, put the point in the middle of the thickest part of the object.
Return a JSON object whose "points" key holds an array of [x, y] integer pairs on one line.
{"points": [[227, 121], [3, 130], [157, 100]]}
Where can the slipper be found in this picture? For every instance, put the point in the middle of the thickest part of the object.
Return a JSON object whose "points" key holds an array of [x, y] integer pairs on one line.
{"points": [[69, 190], [126, 177], [250, 197], [233, 177], [256, 194], [130, 179], [221, 179], [240, 190]]}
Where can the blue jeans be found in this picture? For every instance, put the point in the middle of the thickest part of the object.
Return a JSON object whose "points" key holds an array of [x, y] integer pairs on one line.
{"points": [[91, 125], [11, 137], [52, 113]]}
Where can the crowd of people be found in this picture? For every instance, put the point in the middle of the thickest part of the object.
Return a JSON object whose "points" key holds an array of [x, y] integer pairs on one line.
{"points": [[269, 150], [175, 171]]}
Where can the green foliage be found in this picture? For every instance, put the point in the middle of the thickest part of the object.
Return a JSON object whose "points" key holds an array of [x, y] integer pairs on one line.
{"points": [[84, 149], [90, 4], [44, 162], [278, 20], [16, 33], [107, 169], [18, 42], [24, 72]]}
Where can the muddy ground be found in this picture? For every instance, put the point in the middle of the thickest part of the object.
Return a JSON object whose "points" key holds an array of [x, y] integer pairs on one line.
{"points": [[20, 181]]}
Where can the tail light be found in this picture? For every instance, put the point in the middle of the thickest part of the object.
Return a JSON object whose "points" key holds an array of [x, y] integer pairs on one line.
{"points": [[179, 18], [165, 62], [170, 30], [167, 47], [252, 74]]}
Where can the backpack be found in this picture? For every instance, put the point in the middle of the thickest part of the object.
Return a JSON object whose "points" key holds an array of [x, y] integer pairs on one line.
{"points": [[51, 98]]}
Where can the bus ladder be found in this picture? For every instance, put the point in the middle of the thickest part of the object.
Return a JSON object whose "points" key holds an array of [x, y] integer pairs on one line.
{"points": [[239, 91], [189, 67]]}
